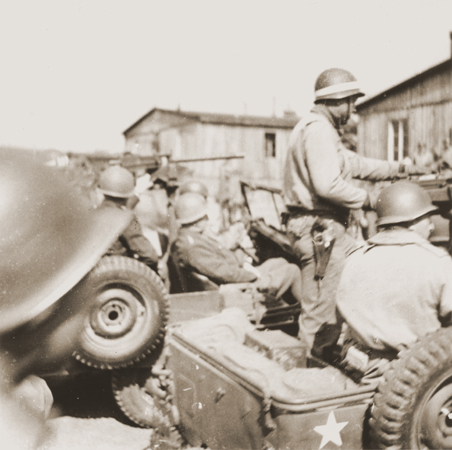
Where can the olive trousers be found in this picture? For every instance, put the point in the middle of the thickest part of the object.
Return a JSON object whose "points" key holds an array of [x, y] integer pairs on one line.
{"points": [[280, 276], [319, 322]]}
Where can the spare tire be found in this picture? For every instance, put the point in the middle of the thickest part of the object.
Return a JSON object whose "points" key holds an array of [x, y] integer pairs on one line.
{"points": [[413, 405], [128, 317], [139, 396]]}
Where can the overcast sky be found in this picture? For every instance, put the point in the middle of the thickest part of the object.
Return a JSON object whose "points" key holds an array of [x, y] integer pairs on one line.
{"points": [[75, 74]]}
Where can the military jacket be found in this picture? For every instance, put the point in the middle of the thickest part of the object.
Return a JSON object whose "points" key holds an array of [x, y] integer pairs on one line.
{"points": [[319, 169], [205, 255], [132, 242], [396, 289]]}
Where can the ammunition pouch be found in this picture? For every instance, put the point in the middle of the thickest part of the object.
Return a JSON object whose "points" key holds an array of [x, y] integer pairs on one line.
{"points": [[323, 239]]}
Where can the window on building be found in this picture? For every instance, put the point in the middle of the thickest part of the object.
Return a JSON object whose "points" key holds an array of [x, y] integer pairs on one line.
{"points": [[270, 145], [398, 143]]}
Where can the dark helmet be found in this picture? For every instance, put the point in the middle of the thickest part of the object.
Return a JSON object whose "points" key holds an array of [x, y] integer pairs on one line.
{"points": [[50, 240], [195, 187], [403, 202], [117, 181], [336, 84], [190, 207]]}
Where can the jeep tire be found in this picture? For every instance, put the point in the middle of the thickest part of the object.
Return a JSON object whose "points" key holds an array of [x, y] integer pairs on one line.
{"points": [[141, 398], [128, 317], [413, 404]]}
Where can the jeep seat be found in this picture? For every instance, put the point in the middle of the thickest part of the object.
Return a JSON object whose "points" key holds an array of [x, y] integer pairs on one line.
{"points": [[184, 280]]}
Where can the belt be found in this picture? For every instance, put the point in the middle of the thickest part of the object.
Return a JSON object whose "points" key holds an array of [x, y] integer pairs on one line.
{"points": [[337, 216]]}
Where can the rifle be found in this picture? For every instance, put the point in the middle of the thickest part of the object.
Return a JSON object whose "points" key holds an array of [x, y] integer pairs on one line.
{"points": [[157, 161]]}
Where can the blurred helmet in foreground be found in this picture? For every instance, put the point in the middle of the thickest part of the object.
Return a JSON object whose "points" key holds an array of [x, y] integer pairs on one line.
{"points": [[50, 237]]}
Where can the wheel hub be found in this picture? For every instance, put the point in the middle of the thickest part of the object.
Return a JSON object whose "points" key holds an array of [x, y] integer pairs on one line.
{"points": [[444, 421], [448, 416], [436, 422], [116, 313]]}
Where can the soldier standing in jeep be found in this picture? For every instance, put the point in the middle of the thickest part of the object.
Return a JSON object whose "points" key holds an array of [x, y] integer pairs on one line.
{"points": [[405, 284], [319, 196]]}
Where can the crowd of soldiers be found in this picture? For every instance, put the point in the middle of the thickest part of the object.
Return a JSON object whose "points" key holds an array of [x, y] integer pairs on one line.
{"points": [[395, 288], [385, 293]]}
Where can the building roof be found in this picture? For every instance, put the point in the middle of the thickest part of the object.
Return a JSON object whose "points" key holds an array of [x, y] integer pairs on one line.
{"points": [[225, 119], [404, 84]]}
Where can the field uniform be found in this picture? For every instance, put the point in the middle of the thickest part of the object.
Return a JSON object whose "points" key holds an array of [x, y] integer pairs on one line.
{"points": [[204, 254], [133, 242], [317, 184], [393, 291]]}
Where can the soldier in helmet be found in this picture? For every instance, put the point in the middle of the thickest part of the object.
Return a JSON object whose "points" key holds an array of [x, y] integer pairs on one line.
{"points": [[196, 250], [195, 187], [398, 287], [319, 195], [51, 240], [117, 184], [232, 237]]}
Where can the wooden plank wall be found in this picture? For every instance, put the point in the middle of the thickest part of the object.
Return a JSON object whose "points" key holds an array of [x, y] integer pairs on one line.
{"points": [[427, 104], [429, 130], [207, 140]]}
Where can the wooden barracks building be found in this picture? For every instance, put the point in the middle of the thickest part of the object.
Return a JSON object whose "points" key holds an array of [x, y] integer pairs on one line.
{"points": [[263, 142], [412, 119]]}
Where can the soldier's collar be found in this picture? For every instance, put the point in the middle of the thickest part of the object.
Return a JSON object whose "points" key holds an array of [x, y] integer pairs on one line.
{"points": [[324, 111], [399, 235]]}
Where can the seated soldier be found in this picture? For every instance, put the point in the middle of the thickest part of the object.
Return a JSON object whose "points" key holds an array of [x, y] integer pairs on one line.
{"points": [[397, 288], [197, 250], [235, 236], [117, 185]]}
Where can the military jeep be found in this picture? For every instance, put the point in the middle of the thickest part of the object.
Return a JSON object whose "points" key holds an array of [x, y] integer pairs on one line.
{"points": [[212, 369]]}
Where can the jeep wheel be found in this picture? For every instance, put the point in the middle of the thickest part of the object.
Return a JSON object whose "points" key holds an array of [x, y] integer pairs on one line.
{"points": [[141, 397], [413, 405], [128, 317]]}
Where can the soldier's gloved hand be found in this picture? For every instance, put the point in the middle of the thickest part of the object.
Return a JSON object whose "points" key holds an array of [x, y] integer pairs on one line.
{"points": [[412, 169], [247, 266], [266, 285]]}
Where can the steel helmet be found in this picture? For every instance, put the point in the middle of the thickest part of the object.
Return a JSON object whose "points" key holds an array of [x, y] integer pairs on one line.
{"points": [[190, 207], [403, 202], [336, 84], [194, 186], [50, 240], [117, 181]]}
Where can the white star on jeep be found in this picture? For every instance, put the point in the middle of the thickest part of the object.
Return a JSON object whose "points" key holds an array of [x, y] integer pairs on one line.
{"points": [[330, 431]]}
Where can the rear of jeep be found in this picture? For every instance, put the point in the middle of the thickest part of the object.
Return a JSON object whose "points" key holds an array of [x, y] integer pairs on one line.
{"points": [[229, 382], [232, 391], [237, 387]]}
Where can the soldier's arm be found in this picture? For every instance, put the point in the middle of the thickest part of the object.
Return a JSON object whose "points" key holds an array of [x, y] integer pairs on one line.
{"points": [[445, 303], [370, 169], [212, 264], [323, 163], [139, 245]]}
